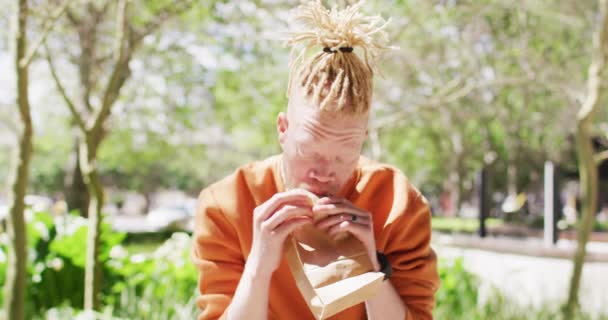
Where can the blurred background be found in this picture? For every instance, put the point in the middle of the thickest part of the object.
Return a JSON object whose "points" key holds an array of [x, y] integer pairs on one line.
{"points": [[135, 106]]}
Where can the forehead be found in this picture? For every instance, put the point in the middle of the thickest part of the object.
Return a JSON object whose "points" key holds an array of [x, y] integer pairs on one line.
{"points": [[302, 113], [311, 125]]}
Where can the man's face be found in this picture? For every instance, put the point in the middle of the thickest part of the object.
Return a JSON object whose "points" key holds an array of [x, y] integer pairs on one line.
{"points": [[320, 150]]}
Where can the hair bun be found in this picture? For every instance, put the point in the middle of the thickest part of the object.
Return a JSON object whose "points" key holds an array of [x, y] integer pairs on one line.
{"points": [[335, 29], [334, 77]]}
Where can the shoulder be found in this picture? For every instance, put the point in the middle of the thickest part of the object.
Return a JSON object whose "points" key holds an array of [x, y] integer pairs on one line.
{"points": [[381, 177], [389, 191]]}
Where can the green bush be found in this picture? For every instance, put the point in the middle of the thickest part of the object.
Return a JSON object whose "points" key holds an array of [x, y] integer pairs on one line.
{"points": [[457, 296], [158, 285], [600, 226], [161, 284], [56, 260]]}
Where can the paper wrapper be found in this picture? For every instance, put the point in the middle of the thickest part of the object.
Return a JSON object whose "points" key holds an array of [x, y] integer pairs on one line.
{"points": [[331, 275]]}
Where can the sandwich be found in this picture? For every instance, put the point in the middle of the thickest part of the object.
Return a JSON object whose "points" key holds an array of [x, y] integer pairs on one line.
{"points": [[313, 199]]}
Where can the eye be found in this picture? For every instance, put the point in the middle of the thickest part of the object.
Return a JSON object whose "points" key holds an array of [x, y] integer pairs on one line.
{"points": [[347, 161], [304, 154]]}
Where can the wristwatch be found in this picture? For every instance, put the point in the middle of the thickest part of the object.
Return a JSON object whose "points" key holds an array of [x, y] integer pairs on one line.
{"points": [[385, 265]]}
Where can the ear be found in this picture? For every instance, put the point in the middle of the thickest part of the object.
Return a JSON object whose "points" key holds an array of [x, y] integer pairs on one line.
{"points": [[282, 125]]}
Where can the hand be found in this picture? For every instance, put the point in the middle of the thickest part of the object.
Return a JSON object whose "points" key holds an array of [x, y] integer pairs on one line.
{"points": [[344, 216], [273, 221]]}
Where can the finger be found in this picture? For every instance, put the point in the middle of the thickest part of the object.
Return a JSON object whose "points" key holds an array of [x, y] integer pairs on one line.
{"points": [[285, 213], [358, 230], [324, 200], [338, 200], [292, 204], [330, 199], [289, 226], [337, 219], [277, 200], [332, 209]]}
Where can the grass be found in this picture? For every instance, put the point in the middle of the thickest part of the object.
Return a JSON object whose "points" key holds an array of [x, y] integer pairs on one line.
{"points": [[145, 242], [466, 225], [142, 247], [601, 226]]}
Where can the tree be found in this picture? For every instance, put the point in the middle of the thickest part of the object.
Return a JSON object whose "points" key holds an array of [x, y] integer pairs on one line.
{"points": [[588, 162], [133, 21], [479, 83], [14, 289]]}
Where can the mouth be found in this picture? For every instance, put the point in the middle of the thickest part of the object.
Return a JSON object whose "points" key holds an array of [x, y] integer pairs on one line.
{"points": [[318, 192]]}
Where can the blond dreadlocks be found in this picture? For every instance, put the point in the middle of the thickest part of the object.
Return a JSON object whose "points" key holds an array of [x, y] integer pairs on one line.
{"points": [[335, 77]]}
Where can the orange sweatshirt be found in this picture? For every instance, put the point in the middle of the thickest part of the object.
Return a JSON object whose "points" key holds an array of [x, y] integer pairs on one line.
{"points": [[224, 231]]}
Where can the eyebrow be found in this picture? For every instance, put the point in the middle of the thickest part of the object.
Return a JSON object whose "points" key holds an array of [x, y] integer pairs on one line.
{"points": [[321, 132], [348, 142], [351, 145]]}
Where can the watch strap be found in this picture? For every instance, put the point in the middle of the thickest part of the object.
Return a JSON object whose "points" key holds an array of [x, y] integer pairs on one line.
{"points": [[385, 265]]}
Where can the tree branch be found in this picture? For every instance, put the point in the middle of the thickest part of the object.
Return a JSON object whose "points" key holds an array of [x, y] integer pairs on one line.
{"points": [[121, 62], [600, 157], [449, 95], [127, 40], [47, 29], [433, 102], [100, 13], [119, 44], [165, 14], [596, 69], [77, 117], [73, 18]]}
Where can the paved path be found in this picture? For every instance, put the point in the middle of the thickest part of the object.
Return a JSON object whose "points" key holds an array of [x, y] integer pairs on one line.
{"points": [[532, 280]]}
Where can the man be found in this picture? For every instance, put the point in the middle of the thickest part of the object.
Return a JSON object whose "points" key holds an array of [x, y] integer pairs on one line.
{"points": [[243, 220]]}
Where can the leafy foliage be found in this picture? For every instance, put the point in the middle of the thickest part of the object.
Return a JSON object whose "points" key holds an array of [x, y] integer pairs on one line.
{"points": [[159, 285]]}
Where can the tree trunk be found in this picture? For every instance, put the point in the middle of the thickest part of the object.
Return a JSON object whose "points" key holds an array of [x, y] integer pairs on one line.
{"points": [[587, 167], [77, 193], [454, 191], [511, 177], [589, 182], [148, 198], [15, 286], [455, 177], [92, 126], [93, 265]]}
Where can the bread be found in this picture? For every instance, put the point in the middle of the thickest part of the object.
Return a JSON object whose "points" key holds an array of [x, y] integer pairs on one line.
{"points": [[313, 198]]}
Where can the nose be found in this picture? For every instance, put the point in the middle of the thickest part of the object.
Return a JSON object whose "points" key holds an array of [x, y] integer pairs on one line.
{"points": [[322, 173]]}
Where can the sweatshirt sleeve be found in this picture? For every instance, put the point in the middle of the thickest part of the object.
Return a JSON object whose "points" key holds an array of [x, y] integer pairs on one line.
{"points": [[217, 256], [413, 261]]}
